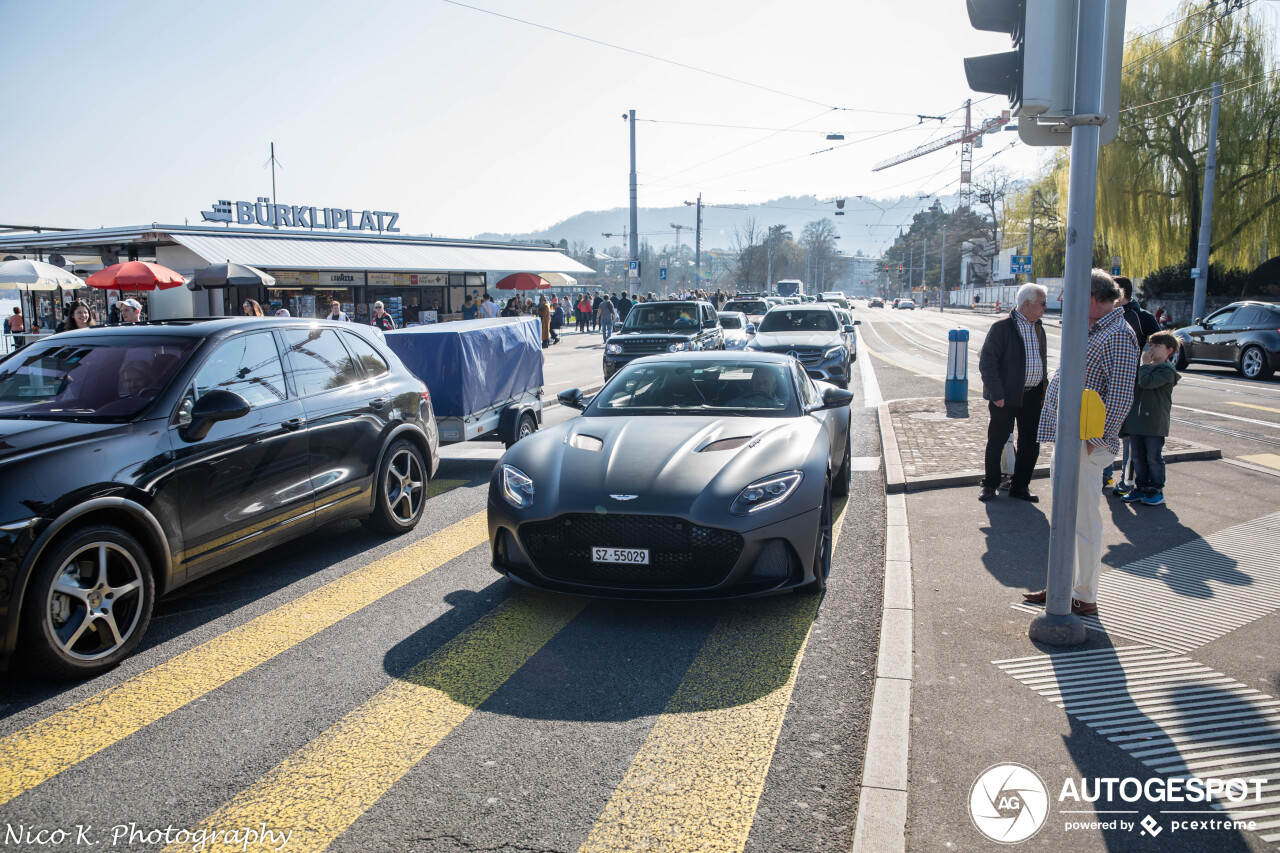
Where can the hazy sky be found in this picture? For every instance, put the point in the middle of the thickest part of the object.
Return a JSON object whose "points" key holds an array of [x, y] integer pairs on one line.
{"points": [[119, 113]]}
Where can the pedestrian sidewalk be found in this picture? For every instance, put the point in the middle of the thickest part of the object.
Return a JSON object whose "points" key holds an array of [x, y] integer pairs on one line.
{"points": [[940, 444], [1177, 677]]}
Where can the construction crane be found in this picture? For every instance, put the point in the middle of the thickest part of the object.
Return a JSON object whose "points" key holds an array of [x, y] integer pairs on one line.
{"points": [[965, 138]]}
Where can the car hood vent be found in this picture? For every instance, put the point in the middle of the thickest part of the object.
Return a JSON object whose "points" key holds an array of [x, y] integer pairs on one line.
{"points": [[586, 442], [726, 444]]}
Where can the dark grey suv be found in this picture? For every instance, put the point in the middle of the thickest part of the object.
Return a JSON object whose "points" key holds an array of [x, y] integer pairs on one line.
{"points": [[657, 327], [1244, 335]]}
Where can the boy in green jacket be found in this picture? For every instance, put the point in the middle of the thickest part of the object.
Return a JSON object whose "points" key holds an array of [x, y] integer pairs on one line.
{"points": [[1148, 421]]}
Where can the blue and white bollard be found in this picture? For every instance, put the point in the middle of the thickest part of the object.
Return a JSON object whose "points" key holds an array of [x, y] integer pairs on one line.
{"points": [[957, 390]]}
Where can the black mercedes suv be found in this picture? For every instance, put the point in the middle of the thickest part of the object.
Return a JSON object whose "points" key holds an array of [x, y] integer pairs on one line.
{"points": [[657, 327]]}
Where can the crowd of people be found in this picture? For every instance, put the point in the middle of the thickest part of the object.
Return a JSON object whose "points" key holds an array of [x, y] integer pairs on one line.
{"points": [[1128, 363], [599, 312]]}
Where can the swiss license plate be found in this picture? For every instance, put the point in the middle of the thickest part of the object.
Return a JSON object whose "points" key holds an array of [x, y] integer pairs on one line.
{"points": [[638, 556]]}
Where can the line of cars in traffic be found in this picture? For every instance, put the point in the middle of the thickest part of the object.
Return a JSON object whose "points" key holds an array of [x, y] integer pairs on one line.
{"points": [[137, 458]]}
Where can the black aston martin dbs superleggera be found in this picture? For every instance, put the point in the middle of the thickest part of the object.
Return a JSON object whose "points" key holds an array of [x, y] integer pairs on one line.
{"points": [[696, 475]]}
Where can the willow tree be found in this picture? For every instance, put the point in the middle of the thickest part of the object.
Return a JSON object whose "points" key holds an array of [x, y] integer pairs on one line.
{"points": [[1150, 179]]}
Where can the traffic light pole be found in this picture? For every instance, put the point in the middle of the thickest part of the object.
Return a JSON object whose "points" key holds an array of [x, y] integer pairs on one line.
{"points": [[1058, 626]]}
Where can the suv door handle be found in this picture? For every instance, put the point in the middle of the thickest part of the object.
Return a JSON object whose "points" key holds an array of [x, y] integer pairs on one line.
{"points": [[377, 402], [293, 424]]}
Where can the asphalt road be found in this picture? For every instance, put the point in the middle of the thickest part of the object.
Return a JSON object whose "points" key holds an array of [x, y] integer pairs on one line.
{"points": [[366, 694]]}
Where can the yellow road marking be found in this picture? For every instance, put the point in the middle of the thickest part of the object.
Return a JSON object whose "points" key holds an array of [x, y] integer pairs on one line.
{"points": [[1252, 406], [696, 782], [1271, 460], [42, 750], [887, 360], [316, 794]]}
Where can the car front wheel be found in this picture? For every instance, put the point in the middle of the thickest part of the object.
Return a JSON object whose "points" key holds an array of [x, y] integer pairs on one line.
{"points": [[822, 553], [89, 606], [401, 490]]}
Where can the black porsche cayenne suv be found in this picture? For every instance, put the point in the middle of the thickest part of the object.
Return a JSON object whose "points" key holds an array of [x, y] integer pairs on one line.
{"points": [[136, 458], [658, 327]]}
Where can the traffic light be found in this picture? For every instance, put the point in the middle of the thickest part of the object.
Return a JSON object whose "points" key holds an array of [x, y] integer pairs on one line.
{"points": [[1038, 76]]}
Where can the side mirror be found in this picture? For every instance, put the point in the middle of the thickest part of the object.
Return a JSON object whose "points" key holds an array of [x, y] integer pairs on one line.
{"points": [[751, 329], [848, 329], [835, 398], [213, 407], [571, 398], [1196, 321]]}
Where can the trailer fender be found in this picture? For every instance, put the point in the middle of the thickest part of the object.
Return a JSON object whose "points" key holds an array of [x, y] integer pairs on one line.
{"points": [[513, 417]]}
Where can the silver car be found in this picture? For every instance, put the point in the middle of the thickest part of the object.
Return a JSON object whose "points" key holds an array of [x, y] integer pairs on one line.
{"points": [[737, 329]]}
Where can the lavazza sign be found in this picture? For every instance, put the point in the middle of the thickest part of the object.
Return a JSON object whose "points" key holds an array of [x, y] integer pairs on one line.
{"points": [[269, 215]]}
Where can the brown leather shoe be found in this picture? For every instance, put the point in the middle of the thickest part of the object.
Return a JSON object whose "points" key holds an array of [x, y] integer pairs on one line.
{"points": [[1084, 608], [1036, 597]]}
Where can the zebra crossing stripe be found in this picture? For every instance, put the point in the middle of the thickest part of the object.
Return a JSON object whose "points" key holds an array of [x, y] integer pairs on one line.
{"points": [[695, 783], [321, 790], [1176, 716], [44, 749], [1190, 595]]}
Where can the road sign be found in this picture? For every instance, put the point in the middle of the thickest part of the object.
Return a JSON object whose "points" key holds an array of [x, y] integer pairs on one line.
{"points": [[1020, 265], [662, 273], [1115, 265], [633, 269]]}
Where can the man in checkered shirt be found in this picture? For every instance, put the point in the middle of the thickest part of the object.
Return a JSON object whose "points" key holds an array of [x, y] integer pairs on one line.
{"points": [[1110, 367]]}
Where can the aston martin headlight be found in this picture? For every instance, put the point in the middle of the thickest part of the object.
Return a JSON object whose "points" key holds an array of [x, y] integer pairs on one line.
{"points": [[678, 347], [517, 488], [765, 493], [613, 349]]}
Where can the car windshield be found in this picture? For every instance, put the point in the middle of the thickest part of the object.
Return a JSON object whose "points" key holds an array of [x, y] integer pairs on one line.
{"points": [[109, 378], [752, 306], [730, 323], [782, 320], [663, 315], [670, 386]]}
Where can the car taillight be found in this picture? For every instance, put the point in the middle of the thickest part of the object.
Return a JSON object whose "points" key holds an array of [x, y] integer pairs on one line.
{"points": [[426, 395]]}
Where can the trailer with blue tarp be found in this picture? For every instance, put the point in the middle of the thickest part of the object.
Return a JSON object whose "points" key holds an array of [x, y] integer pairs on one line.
{"points": [[485, 376]]}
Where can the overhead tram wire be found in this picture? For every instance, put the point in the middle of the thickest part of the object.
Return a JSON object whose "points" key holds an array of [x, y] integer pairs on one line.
{"points": [[1132, 39], [746, 127], [1245, 5], [656, 58], [1197, 91], [1269, 77]]}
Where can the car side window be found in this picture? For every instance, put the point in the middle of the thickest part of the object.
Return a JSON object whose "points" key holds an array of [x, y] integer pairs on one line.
{"points": [[365, 353], [1221, 320], [319, 362], [248, 365], [1248, 316], [808, 394]]}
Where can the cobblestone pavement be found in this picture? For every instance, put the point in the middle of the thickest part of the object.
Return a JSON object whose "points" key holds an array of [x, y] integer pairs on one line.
{"points": [[942, 444]]}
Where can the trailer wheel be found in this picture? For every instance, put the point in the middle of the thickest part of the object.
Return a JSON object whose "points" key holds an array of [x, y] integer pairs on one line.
{"points": [[522, 427]]}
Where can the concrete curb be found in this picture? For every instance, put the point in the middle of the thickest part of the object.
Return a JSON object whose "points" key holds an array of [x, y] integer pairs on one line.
{"points": [[882, 800], [895, 480]]}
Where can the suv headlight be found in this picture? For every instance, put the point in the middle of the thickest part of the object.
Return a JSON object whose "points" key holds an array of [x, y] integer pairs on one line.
{"points": [[678, 347], [765, 493], [613, 349], [517, 488], [834, 352]]}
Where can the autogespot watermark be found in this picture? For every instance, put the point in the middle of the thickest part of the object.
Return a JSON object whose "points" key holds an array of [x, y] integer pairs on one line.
{"points": [[127, 835], [1009, 803]]}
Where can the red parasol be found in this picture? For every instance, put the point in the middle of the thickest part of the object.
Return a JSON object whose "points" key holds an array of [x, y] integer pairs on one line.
{"points": [[136, 275], [523, 281]]}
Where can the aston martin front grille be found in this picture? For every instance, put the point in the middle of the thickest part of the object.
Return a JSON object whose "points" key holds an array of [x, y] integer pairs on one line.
{"points": [[681, 555]]}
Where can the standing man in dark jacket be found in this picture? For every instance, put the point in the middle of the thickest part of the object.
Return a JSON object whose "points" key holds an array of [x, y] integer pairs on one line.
{"points": [[1015, 368]]}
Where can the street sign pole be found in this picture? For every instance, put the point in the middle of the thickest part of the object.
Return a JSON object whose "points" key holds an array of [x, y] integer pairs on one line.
{"points": [[1058, 626]]}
